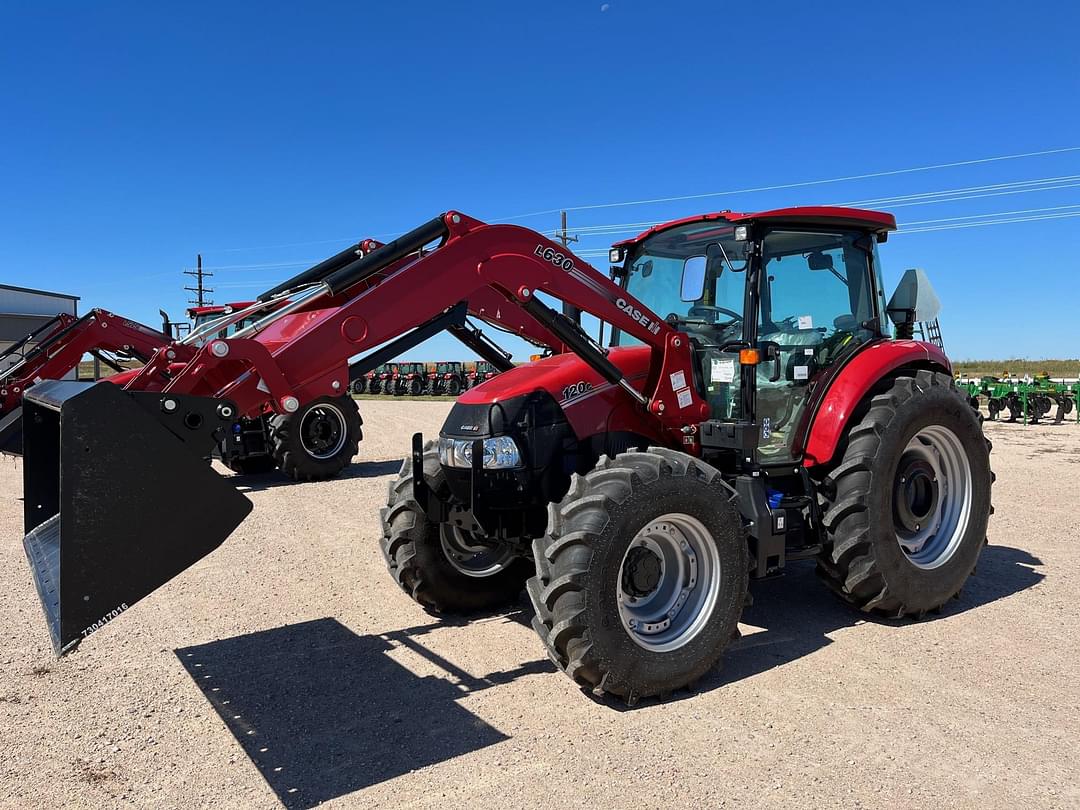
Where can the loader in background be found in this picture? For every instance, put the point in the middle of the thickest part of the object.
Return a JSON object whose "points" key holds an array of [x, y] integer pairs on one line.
{"points": [[753, 408]]}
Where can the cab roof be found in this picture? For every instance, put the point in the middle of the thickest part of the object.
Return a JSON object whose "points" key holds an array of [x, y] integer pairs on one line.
{"points": [[217, 309], [828, 215]]}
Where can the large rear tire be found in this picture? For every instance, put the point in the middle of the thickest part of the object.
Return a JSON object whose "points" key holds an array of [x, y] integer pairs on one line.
{"points": [[438, 566], [907, 521], [319, 440], [641, 578]]}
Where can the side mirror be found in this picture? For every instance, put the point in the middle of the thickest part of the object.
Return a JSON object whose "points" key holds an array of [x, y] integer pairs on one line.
{"points": [[914, 299], [692, 285]]}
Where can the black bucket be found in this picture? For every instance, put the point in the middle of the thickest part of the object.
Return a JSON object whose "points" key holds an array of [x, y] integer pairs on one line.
{"points": [[119, 497], [11, 432]]}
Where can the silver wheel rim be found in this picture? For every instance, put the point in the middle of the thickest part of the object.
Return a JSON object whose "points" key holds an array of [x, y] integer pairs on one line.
{"points": [[932, 497], [470, 558], [668, 615], [316, 418]]}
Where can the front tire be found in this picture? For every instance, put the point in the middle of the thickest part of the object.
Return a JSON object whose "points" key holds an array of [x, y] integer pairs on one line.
{"points": [[641, 578], [319, 440], [437, 565], [907, 521]]}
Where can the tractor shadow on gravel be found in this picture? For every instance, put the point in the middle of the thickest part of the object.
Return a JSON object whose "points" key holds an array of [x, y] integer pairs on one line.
{"points": [[258, 482], [798, 611], [323, 712]]}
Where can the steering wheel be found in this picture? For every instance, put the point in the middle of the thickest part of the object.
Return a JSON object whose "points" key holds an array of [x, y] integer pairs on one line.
{"points": [[700, 308]]}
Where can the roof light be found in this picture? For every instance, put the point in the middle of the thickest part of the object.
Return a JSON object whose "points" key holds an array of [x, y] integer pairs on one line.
{"points": [[615, 255], [742, 233]]}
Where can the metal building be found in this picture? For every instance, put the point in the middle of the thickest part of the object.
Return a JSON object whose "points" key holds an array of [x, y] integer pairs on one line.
{"points": [[22, 310]]}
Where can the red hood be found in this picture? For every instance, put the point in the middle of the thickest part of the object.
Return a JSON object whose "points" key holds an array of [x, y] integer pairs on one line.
{"points": [[592, 405]]}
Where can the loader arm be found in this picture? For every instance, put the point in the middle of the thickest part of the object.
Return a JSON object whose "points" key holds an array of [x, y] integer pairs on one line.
{"points": [[59, 352], [304, 353]]}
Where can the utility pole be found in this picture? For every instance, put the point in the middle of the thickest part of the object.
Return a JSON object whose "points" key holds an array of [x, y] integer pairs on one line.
{"points": [[201, 290], [569, 310]]}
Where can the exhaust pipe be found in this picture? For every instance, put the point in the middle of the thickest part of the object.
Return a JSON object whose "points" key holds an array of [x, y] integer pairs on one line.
{"points": [[104, 470]]}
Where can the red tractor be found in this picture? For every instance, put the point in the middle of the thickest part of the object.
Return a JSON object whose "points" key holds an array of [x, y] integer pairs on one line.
{"points": [[300, 445], [410, 379], [482, 372], [753, 408], [446, 379]]}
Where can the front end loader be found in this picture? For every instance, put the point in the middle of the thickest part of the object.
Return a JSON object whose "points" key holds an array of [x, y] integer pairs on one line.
{"points": [[753, 408]]}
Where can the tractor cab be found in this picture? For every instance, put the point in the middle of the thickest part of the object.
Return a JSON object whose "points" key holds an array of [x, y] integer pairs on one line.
{"points": [[772, 304], [200, 316]]}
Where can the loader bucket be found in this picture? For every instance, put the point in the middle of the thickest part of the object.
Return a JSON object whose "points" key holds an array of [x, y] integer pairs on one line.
{"points": [[11, 432], [119, 497]]}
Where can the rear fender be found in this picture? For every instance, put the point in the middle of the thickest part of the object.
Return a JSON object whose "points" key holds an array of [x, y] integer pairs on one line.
{"points": [[833, 410]]}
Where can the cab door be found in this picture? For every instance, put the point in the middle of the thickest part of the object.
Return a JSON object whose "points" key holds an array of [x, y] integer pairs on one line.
{"points": [[816, 306]]}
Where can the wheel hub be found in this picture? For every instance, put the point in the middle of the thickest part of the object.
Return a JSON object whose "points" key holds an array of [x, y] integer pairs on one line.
{"points": [[916, 493], [668, 582], [641, 571], [932, 497], [472, 557], [322, 431]]}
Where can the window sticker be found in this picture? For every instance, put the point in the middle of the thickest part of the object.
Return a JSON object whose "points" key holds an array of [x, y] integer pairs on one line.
{"points": [[806, 322], [723, 370], [801, 372]]}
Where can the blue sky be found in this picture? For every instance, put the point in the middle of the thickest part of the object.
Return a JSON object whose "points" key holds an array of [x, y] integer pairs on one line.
{"points": [[134, 135]]}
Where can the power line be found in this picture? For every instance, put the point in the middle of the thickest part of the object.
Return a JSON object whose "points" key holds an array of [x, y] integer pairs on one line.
{"points": [[802, 184]]}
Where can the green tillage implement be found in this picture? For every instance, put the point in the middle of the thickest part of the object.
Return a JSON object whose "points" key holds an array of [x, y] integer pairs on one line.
{"points": [[1029, 401]]}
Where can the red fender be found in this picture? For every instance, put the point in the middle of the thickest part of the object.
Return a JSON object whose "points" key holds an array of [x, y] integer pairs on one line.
{"points": [[852, 383]]}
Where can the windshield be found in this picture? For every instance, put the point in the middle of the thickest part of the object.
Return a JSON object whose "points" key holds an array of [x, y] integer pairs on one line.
{"points": [[655, 277], [205, 318]]}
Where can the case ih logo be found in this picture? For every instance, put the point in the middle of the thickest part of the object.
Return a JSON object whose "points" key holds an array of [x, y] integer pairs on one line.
{"points": [[638, 315], [551, 255]]}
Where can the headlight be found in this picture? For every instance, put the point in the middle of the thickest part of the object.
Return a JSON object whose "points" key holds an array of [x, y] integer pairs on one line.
{"points": [[500, 453]]}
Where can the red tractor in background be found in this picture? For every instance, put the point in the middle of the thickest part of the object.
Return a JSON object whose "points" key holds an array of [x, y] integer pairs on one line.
{"points": [[446, 379], [410, 379], [381, 379], [482, 372], [753, 408]]}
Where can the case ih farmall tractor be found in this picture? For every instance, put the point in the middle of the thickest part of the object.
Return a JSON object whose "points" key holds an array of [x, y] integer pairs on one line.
{"points": [[410, 379], [447, 379], [753, 409], [481, 372]]}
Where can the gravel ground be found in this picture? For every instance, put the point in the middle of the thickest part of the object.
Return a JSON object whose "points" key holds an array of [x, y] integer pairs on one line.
{"points": [[286, 668]]}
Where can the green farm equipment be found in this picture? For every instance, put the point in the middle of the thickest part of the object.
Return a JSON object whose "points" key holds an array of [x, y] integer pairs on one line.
{"points": [[1027, 401]]}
